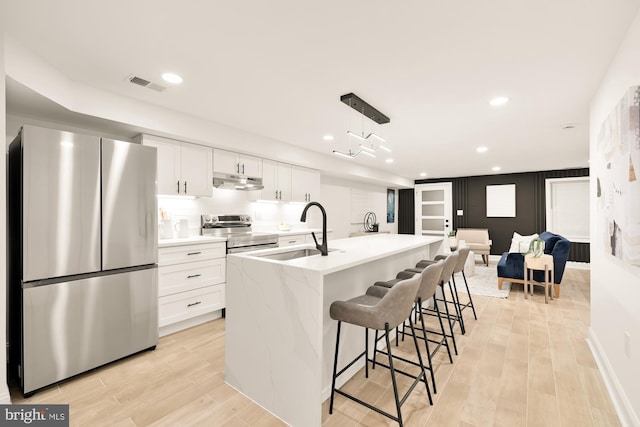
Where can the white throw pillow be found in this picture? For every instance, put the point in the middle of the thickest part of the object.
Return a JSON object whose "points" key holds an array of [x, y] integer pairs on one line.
{"points": [[520, 244]]}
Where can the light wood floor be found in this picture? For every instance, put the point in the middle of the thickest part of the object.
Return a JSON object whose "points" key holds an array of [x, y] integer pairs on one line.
{"points": [[522, 363]]}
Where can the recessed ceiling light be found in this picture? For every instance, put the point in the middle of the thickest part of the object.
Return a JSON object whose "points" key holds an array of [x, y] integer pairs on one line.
{"points": [[389, 160], [328, 138], [482, 149], [495, 168], [499, 100], [423, 174], [172, 78]]}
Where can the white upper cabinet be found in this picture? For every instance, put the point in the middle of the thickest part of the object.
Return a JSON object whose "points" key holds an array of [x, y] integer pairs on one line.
{"points": [[283, 182], [197, 170], [236, 163], [183, 168], [276, 178], [305, 184]]}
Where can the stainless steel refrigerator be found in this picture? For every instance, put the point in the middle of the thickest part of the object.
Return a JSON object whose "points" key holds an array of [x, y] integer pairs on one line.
{"points": [[83, 253]]}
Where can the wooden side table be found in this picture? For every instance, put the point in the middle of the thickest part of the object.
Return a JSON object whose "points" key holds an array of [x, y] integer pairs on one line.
{"points": [[544, 263]]}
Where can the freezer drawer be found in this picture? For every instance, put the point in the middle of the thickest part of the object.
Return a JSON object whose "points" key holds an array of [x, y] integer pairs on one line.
{"points": [[74, 326]]}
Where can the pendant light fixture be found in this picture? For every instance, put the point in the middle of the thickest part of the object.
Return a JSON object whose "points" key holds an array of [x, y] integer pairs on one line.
{"points": [[370, 143]]}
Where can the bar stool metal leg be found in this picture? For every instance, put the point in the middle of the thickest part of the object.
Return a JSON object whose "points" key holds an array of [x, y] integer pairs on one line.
{"points": [[448, 316], [335, 367], [446, 342], [456, 304], [470, 304], [393, 376], [426, 343]]}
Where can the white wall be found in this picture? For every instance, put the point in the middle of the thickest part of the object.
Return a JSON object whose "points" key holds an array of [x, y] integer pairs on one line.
{"points": [[615, 286], [4, 390], [336, 196]]}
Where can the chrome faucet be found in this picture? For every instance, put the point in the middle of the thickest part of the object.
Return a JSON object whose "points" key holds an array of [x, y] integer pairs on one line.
{"points": [[321, 247]]}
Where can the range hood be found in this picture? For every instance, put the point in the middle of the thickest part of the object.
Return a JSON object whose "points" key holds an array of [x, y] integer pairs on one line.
{"points": [[236, 182]]}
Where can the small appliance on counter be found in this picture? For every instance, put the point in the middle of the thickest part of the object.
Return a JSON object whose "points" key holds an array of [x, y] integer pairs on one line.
{"points": [[237, 230]]}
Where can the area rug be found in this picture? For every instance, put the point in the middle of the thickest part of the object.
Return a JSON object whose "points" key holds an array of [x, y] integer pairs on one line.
{"points": [[484, 281]]}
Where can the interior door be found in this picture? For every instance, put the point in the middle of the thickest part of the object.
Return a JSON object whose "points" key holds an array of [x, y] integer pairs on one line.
{"points": [[433, 209]]}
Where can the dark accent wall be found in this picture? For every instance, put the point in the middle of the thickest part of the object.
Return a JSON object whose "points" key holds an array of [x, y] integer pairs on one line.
{"points": [[406, 212], [469, 194]]}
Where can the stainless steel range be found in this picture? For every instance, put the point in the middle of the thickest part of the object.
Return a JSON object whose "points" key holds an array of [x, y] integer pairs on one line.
{"points": [[237, 230]]}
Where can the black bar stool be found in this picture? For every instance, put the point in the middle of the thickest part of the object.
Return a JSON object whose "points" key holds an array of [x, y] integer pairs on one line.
{"points": [[381, 314], [429, 280]]}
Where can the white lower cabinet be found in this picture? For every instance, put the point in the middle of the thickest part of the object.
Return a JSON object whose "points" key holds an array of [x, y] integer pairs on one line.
{"points": [[186, 305], [294, 239], [191, 284], [299, 239]]}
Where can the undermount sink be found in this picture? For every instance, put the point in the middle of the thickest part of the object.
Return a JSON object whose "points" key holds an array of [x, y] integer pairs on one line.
{"points": [[293, 254]]}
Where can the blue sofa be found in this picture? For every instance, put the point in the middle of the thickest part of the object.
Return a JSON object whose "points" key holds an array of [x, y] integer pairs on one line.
{"points": [[511, 265]]}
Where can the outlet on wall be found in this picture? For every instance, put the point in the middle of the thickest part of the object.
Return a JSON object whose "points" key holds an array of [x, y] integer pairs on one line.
{"points": [[627, 344]]}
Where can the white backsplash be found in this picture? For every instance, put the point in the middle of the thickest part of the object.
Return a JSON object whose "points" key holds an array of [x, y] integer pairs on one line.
{"points": [[266, 216]]}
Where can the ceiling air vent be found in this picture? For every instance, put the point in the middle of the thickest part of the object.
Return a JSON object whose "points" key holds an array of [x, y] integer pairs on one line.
{"points": [[136, 80]]}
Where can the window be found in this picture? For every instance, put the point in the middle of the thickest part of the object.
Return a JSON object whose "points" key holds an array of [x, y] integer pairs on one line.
{"points": [[567, 201]]}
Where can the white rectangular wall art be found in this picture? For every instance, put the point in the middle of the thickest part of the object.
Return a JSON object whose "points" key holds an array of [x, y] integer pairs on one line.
{"points": [[501, 200], [617, 184]]}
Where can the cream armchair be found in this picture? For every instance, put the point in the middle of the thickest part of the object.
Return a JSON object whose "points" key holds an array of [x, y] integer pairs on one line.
{"points": [[477, 239]]}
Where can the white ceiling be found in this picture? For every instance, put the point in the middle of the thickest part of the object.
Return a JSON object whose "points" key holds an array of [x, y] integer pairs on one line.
{"points": [[278, 68]]}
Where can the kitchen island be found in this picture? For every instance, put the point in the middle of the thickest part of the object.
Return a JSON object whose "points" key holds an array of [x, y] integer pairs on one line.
{"points": [[280, 340]]}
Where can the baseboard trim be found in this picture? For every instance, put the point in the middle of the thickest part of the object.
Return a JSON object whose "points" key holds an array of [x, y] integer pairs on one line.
{"points": [[5, 396], [189, 323], [579, 265], [628, 418]]}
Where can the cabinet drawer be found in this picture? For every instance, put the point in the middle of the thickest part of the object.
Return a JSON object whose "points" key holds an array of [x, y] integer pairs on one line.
{"points": [[296, 239], [189, 253], [190, 275], [185, 305]]}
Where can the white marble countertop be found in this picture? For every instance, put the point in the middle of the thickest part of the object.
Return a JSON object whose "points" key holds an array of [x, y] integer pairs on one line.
{"points": [[163, 243], [346, 253]]}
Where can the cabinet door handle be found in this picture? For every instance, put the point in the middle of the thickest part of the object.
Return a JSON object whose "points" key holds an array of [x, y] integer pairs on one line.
{"points": [[178, 187], [237, 167], [185, 187], [276, 194], [243, 169], [292, 241], [194, 303], [280, 195], [191, 276], [194, 253]]}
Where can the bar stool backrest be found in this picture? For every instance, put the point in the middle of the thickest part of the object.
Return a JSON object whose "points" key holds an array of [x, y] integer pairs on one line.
{"points": [[396, 305], [449, 265], [430, 280], [463, 253]]}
